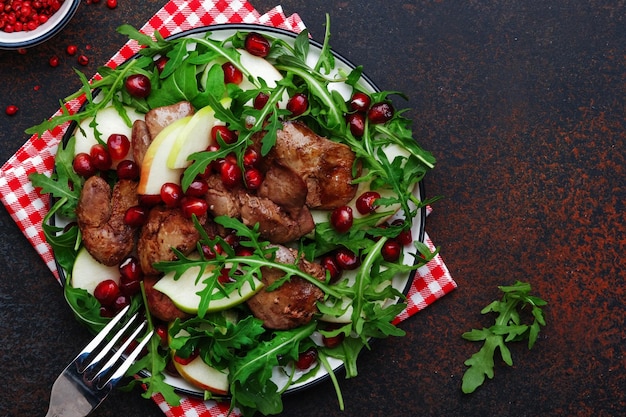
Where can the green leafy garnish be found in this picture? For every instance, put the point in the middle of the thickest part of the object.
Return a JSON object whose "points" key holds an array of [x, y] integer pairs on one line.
{"points": [[507, 328]]}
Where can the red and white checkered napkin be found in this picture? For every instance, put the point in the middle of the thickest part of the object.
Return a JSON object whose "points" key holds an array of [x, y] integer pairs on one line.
{"points": [[28, 208]]}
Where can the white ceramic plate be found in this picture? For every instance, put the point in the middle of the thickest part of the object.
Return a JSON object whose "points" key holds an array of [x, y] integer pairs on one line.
{"points": [[400, 282]]}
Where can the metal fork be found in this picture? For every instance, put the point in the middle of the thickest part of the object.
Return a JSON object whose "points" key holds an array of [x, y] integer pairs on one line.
{"points": [[86, 381]]}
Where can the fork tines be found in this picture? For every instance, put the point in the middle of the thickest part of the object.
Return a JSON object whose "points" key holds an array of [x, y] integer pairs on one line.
{"points": [[98, 365]]}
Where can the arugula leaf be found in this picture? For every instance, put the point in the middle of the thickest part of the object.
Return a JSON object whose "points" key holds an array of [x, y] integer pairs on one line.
{"points": [[508, 323]]}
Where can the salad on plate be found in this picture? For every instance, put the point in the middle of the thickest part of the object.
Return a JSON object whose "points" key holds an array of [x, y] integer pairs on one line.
{"points": [[254, 194]]}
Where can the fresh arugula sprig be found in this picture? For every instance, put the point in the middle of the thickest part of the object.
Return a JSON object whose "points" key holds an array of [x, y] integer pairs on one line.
{"points": [[508, 327]]}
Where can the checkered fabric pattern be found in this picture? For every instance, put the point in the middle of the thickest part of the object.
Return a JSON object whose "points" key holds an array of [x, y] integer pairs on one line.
{"points": [[28, 208]]}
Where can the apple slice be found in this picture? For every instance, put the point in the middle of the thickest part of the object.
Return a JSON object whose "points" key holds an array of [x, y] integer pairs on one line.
{"points": [[154, 171], [200, 374], [87, 272], [195, 137], [184, 291], [108, 121], [203, 376]]}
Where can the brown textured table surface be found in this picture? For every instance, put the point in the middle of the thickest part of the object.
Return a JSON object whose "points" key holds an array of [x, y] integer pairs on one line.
{"points": [[523, 105]]}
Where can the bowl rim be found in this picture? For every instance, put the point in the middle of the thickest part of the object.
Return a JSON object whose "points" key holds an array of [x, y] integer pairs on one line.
{"points": [[36, 37]]}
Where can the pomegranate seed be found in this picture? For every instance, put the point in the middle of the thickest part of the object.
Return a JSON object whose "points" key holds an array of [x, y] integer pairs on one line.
{"points": [[106, 312], [253, 178], [129, 288], [11, 109], [71, 50], [346, 259], [100, 157], [193, 205], [260, 101], [225, 134], [111, 4], [106, 292], [251, 157], [232, 240], [298, 104], [356, 123], [138, 85], [212, 252], [135, 216], [230, 174], [232, 74], [118, 145], [257, 44], [83, 165], [121, 301], [54, 61], [186, 361], [380, 113], [160, 63], [83, 60], [171, 194], [405, 237], [306, 359], [365, 203], [341, 219], [360, 102], [130, 269], [244, 251], [332, 341], [161, 331], [391, 250], [197, 188], [332, 267], [128, 170]]}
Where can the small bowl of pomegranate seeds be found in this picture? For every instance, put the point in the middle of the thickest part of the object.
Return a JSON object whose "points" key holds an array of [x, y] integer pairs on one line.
{"points": [[26, 23]]}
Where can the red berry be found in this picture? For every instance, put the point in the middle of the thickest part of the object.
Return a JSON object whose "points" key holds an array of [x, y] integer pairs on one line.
{"points": [[83, 165], [197, 188], [138, 85], [380, 113], [53, 61], [332, 267], [130, 269], [100, 157], [341, 219], [106, 292], [118, 145], [83, 60], [160, 63], [135, 216], [127, 170], [298, 104], [260, 101], [193, 205], [232, 74], [360, 102], [171, 194], [11, 109], [230, 173], [257, 44], [225, 134], [391, 250], [356, 123], [253, 178], [306, 359], [366, 202], [346, 259], [71, 49], [251, 157]]}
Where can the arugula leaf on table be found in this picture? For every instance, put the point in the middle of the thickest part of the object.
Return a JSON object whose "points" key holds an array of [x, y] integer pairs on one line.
{"points": [[508, 327]]}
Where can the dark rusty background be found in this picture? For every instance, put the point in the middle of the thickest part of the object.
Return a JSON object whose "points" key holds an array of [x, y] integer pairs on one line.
{"points": [[522, 102]]}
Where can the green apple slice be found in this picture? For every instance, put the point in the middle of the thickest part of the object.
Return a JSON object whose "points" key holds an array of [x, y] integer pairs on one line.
{"points": [[87, 272], [184, 291], [154, 171], [195, 137]]}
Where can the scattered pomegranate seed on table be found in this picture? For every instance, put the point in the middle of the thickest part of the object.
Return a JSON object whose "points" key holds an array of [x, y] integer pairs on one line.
{"points": [[111, 4], [11, 109], [71, 49], [54, 61], [83, 60]]}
